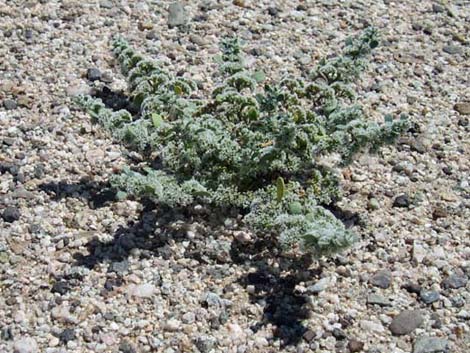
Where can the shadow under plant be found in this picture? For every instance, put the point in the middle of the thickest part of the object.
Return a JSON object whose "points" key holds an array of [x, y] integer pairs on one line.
{"points": [[272, 287]]}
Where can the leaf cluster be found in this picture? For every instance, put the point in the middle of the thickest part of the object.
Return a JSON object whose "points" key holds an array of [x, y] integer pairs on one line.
{"points": [[251, 146]]}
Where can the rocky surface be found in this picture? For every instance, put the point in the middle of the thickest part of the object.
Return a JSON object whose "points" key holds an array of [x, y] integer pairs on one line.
{"points": [[83, 271]]}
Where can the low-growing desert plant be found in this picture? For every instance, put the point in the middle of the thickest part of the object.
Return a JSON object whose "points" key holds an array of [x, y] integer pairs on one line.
{"points": [[250, 146]]}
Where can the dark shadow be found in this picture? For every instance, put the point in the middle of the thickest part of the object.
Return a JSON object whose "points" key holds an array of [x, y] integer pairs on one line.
{"points": [[115, 100], [137, 234], [96, 194], [272, 287]]}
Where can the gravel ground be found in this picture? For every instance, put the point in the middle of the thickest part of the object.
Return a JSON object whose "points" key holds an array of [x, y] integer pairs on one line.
{"points": [[82, 272]]}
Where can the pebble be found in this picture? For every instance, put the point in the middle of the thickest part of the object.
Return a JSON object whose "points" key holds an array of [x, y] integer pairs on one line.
{"points": [[176, 15], [355, 346], [320, 286], [454, 281], [406, 322], [429, 297], [462, 107], [205, 344], [371, 326], [381, 279], [172, 325], [378, 300], [430, 345], [120, 267], [10, 104], [25, 345], [145, 290], [61, 287], [452, 49], [11, 214], [402, 201], [93, 74], [127, 347], [67, 335]]}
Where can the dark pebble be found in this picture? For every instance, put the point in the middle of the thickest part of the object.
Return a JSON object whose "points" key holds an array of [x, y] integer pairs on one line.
{"points": [[412, 288], [454, 281], [438, 8], [401, 201], [6, 333], [11, 214], [309, 335], [274, 12], [339, 334], [355, 345], [93, 74], [10, 104], [11, 168], [406, 322], [60, 287], [205, 344], [28, 34], [429, 297], [381, 279], [67, 335]]}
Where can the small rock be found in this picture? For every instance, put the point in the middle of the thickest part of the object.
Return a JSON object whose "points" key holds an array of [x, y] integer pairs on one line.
{"points": [[458, 302], [107, 77], [309, 335], [452, 49], [355, 345], [373, 204], [438, 8], [11, 214], [320, 286], [188, 318], [120, 267], [145, 290], [381, 279], [462, 107], [25, 345], [406, 322], [429, 297], [371, 326], [213, 300], [339, 334], [430, 345], [419, 252], [376, 299], [61, 287], [126, 347], [10, 104], [67, 335], [205, 344], [454, 281], [93, 74], [194, 38], [463, 314], [401, 201], [273, 11], [106, 4], [242, 236], [176, 15], [172, 325], [439, 212]]}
